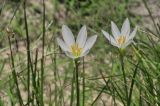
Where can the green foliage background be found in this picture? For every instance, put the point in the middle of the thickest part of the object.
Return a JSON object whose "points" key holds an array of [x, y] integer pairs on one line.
{"points": [[103, 57]]}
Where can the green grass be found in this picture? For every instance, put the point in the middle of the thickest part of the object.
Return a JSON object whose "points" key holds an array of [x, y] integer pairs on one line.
{"points": [[50, 78]]}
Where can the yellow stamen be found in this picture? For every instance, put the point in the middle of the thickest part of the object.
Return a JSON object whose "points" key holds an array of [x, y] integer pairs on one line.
{"points": [[121, 40], [76, 50]]}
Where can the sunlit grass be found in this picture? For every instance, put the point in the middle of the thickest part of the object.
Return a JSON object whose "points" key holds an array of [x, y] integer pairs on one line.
{"points": [[35, 71]]}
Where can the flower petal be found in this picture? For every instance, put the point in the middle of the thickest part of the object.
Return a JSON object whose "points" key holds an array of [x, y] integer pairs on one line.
{"points": [[125, 30], [89, 43], [84, 53], [69, 54], [132, 35], [62, 44], [126, 44], [110, 38], [67, 35], [82, 37], [115, 30]]}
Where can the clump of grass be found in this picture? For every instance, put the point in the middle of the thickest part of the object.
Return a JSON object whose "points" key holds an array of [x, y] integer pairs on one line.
{"points": [[46, 76]]}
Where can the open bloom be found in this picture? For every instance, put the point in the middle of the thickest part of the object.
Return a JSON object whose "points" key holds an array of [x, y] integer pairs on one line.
{"points": [[76, 48], [121, 39]]}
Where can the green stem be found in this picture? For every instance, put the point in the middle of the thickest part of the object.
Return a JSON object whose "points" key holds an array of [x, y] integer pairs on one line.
{"points": [[14, 75], [83, 84], [124, 75], [55, 77], [55, 72], [132, 84], [42, 61], [77, 82], [11, 89], [106, 82], [35, 76], [34, 93], [42, 80], [29, 62], [72, 89], [98, 96]]}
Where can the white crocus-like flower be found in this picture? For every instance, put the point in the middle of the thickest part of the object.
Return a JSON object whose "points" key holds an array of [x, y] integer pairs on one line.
{"points": [[76, 48], [121, 39]]}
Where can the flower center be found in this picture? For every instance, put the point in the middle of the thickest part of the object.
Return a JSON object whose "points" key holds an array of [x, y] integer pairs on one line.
{"points": [[121, 40], [76, 50]]}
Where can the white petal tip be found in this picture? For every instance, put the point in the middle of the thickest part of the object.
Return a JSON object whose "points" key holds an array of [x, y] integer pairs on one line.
{"points": [[112, 22], [95, 36], [104, 32], [64, 26], [84, 26], [127, 19]]}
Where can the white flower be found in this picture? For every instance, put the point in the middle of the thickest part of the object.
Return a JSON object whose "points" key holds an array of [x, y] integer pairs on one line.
{"points": [[121, 39], [76, 48]]}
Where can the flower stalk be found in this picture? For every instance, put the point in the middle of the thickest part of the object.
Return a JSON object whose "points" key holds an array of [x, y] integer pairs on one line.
{"points": [[83, 84], [122, 52], [77, 82], [72, 89]]}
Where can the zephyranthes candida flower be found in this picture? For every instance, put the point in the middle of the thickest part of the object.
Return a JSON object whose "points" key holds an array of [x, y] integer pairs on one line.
{"points": [[123, 38], [76, 48]]}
